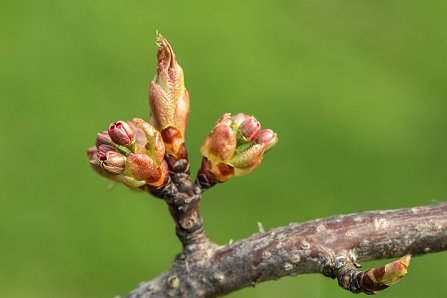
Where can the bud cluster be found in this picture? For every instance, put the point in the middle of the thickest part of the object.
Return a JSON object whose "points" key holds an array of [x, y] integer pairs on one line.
{"points": [[131, 153], [142, 154], [234, 147]]}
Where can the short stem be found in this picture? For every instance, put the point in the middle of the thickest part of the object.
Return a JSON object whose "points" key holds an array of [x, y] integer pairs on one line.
{"points": [[183, 198]]}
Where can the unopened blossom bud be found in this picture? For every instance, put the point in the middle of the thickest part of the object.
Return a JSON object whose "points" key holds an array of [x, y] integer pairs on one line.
{"points": [[114, 162], [268, 138], [103, 138], [98, 167], [121, 133], [102, 151], [142, 167], [238, 119], [92, 153], [249, 128]]}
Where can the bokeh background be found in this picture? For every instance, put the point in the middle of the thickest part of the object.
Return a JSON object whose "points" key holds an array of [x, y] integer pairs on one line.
{"points": [[355, 89]]}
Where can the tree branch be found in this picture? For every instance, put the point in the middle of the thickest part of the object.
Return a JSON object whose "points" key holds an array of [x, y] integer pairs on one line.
{"points": [[331, 246]]}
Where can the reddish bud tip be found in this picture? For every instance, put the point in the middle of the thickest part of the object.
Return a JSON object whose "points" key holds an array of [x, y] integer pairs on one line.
{"points": [[92, 153], [268, 138], [103, 138], [239, 118], [102, 151], [114, 162], [121, 133], [249, 128]]}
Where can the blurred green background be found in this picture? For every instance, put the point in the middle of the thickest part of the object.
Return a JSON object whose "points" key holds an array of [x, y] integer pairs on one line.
{"points": [[355, 89]]}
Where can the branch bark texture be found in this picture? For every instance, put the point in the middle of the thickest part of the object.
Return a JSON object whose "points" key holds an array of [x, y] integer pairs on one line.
{"points": [[330, 246]]}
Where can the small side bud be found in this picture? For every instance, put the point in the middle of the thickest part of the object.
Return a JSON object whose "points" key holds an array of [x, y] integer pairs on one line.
{"points": [[268, 138], [103, 138], [121, 133], [238, 119], [102, 151], [394, 271], [382, 277], [92, 153], [249, 129]]}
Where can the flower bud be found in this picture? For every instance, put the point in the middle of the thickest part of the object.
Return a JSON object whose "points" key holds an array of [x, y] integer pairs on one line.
{"points": [[92, 153], [249, 128], [121, 133], [102, 151], [238, 119], [268, 138], [142, 167], [114, 162], [103, 138]]}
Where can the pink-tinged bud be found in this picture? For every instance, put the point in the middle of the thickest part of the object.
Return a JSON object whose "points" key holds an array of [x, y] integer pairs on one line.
{"points": [[121, 133], [249, 129], [154, 141], [103, 138], [268, 138], [92, 153], [98, 167], [248, 160], [114, 162], [238, 119], [168, 97], [102, 151], [142, 167]]}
